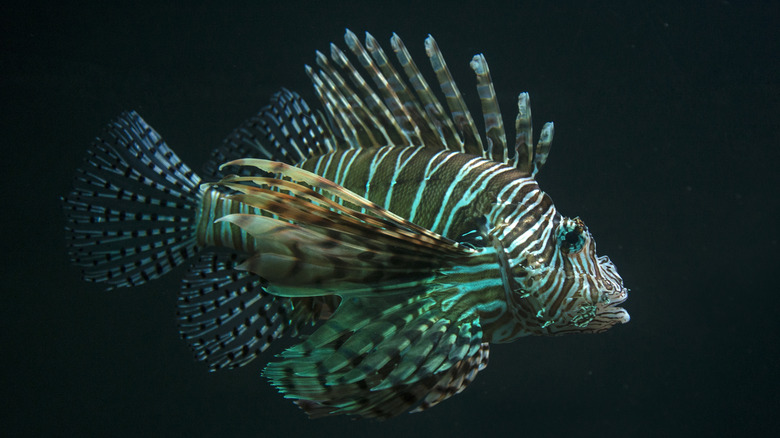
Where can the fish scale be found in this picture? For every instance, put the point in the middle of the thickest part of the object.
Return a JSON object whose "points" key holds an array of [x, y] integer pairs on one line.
{"points": [[388, 236]]}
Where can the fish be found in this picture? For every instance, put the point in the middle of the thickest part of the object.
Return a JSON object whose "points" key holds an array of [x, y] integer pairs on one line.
{"points": [[386, 238]]}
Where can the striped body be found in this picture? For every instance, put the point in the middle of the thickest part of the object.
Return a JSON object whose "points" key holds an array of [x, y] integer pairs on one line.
{"points": [[436, 189], [445, 191], [214, 205], [409, 240]]}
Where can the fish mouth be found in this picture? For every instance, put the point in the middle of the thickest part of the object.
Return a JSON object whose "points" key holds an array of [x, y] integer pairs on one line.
{"points": [[611, 310], [614, 294], [620, 297]]}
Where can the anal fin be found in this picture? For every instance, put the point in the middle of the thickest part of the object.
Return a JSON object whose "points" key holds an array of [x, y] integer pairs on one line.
{"points": [[225, 314], [228, 318]]}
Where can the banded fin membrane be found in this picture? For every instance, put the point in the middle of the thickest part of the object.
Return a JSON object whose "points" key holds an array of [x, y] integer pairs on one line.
{"points": [[225, 315], [286, 130], [131, 216], [228, 318], [373, 102], [378, 360]]}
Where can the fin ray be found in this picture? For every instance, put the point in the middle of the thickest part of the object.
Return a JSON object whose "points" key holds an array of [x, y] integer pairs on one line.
{"points": [[494, 125], [406, 357], [285, 130], [131, 215], [470, 139], [225, 315]]}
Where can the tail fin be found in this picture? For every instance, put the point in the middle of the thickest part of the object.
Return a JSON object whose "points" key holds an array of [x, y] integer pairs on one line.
{"points": [[131, 216]]}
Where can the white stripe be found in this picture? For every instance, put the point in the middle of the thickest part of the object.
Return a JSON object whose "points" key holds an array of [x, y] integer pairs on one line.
{"points": [[464, 289], [375, 162], [471, 193], [505, 197], [462, 173], [353, 155], [429, 172], [542, 222], [491, 306], [399, 166]]}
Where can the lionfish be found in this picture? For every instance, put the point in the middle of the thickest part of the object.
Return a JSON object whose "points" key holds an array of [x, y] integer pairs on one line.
{"points": [[386, 236]]}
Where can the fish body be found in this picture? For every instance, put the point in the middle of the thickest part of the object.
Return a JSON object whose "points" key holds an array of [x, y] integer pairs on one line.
{"points": [[410, 241]]}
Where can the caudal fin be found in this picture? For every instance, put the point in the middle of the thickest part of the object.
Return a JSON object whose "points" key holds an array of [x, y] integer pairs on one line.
{"points": [[131, 216]]}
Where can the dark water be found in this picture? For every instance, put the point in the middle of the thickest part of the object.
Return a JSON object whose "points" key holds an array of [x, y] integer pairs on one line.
{"points": [[666, 144]]}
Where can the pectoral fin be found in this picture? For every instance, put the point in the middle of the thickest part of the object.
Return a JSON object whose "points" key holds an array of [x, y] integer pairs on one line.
{"points": [[313, 244], [373, 363]]}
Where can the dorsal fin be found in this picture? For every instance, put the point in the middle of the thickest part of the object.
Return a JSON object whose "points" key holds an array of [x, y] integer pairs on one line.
{"points": [[433, 112], [379, 106], [496, 149], [527, 158], [464, 123], [371, 103]]}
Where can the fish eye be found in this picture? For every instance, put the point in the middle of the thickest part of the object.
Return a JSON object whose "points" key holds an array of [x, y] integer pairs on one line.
{"points": [[571, 235], [571, 238]]}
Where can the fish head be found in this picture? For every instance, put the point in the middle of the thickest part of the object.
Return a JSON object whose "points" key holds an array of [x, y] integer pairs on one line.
{"points": [[555, 281], [572, 289]]}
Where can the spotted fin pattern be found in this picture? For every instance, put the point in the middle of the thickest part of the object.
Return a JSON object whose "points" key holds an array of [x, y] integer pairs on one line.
{"points": [[285, 130], [132, 213], [225, 315]]}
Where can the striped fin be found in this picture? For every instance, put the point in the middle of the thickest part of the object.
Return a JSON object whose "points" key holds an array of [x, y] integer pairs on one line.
{"points": [[362, 119], [319, 246], [543, 146], [494, 125], [387, 112], [388, 84], [370, 103], [528, 159], [131, 215], [437, 118], [228, 318], [411, 112], [470, 140], [225, 315], [387, 218], [285, 130], [380, 360], [457, 379]]}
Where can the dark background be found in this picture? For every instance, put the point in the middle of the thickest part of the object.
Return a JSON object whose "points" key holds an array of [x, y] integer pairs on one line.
{"points": [[666, 144]]}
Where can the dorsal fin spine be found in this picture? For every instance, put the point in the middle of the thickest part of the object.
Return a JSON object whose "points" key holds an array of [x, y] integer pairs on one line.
{"points": [[381, 78], [378, 114], [411, 108], [356, 103], [472, 144], [378, 106], [494, 124], [433, 112]]}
